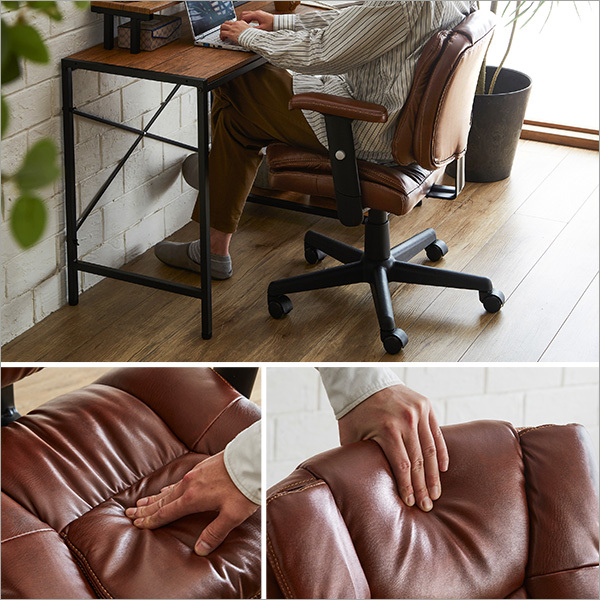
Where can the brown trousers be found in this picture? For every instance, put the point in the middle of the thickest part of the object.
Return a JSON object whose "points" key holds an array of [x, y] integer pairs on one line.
{"points": [[248, 113]]}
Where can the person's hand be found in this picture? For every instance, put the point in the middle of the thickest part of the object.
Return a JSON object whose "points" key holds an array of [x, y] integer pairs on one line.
{"points": [[403, 424], [264, 19], [230, 30], [207, 487]]}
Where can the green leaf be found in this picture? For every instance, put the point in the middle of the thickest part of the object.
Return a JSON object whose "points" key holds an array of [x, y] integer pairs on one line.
{"points": [[11, 5], [5, 115], [11, 69], [39, 166], [28, 220], [5, 42], [26, 41], [82, 5], [49, 8]]}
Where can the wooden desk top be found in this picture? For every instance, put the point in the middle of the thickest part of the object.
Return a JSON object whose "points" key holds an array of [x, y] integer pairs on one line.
{"points": [[145, 8], [180, 58]]}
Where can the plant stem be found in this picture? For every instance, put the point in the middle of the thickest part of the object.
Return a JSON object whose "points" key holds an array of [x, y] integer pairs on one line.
{"points": [[481, 81], [512, 35]]}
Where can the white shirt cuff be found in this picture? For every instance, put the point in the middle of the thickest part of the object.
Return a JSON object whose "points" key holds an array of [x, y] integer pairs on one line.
{"points": [[284, 22], [347, 387], [242, 461]]}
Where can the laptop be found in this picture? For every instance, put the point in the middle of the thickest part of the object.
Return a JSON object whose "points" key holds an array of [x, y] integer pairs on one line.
{"points": [[206, 19]]}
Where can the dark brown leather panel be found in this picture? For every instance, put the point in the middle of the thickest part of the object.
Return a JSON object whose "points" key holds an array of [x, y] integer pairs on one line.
{"points": [[405, 132], [77, 462], [204, 394], [328, 104], [331, 569], [520, 593], [74, 452], [393, 189], [562, 487], [11, 375], [28, 543], [228, 573], [446, 87], [576, 583], [403, 549]]}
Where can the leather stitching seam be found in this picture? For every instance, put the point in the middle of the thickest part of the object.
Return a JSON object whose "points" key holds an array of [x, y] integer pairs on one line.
{"points": [[290, 485], [525, 430], [282, 580], [14, 537], [79, 554], [295, 491]]}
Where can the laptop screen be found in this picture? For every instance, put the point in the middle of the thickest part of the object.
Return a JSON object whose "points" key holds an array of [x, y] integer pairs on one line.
{"points": [[204, 16]]}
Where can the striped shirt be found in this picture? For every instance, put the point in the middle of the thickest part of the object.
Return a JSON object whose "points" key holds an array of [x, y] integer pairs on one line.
{"points": [[367, 52]]}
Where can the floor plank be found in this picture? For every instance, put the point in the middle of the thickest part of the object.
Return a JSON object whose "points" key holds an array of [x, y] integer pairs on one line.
{"points": [[578, 337], [544, 300], [529, 233]]}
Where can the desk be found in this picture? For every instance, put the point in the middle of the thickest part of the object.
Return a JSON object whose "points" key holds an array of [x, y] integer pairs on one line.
{"points": [[180, 63]]}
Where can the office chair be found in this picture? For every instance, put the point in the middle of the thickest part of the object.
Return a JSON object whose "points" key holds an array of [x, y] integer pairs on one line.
{"points": [[71, 467], [432, 132], [517, 518]]}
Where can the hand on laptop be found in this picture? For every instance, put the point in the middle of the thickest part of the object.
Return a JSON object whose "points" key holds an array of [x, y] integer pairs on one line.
{"points": [[264, 19], [230, 30]]}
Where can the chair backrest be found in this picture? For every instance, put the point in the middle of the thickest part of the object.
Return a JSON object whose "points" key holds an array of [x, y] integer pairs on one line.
{"points": [[434, 124], [518, 518]]}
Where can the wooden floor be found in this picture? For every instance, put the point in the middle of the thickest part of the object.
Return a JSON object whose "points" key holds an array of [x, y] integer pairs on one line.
{"points": [[535, 235]]}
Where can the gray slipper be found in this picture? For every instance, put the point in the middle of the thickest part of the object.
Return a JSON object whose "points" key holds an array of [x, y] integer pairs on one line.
{"points": [[177, 255]]}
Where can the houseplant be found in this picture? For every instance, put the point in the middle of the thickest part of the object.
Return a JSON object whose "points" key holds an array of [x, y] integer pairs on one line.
{"points": [[500, 104]]}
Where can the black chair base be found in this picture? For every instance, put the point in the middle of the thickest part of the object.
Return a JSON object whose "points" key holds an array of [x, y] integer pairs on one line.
{"points": [[377, 265]]}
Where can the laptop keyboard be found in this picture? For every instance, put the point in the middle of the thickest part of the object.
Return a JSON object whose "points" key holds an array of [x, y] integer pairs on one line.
{"points": [[214, 38]]}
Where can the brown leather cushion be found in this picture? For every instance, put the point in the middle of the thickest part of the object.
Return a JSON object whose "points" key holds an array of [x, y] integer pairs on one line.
{"points": [[11, 375], [393, 189], [518, 517], [72, 466]]}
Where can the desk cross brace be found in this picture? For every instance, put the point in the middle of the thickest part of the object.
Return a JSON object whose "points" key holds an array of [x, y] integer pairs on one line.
{"points": [[74, 265]]}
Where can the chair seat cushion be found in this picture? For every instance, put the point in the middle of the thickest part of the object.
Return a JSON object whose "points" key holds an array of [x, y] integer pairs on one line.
{"points": [[393, 189], [71, 468]]}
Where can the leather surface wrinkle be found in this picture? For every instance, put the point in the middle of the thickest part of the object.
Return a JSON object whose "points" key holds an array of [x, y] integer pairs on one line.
{"points": [[10, 375], [24, 549], [99, 457], [208, 394], [72, 466], [518, 518], [314, 511], [394, 189], [562, 539], [457, 532]]}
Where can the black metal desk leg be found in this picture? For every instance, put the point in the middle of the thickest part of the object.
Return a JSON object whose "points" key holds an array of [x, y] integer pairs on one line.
{"points": [[203, 196], [70, 195], [109, 31], [136, 33]]}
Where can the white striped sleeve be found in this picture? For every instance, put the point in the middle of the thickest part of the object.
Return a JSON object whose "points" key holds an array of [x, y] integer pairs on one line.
{"points": [[311, 20], [356, 36]]}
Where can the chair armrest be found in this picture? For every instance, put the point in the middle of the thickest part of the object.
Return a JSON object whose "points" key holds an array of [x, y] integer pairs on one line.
{"points": [[338, 106]]}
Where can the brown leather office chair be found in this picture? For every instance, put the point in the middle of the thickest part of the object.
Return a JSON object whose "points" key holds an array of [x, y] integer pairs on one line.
{"points": [[71, 467], [518, 518], [432, 132]]}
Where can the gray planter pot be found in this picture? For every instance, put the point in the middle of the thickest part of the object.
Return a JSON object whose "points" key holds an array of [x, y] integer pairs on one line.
{"points": [[497, 122]]}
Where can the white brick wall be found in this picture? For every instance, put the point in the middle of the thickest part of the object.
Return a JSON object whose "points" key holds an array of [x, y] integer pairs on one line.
{"points": [[147, 201], [300, 422]]}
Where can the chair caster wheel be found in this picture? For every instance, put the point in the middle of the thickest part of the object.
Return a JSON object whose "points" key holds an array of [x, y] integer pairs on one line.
{"points": [[436, 250], [313, 255], [492, 301], [394, 341], [279, 306]]}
